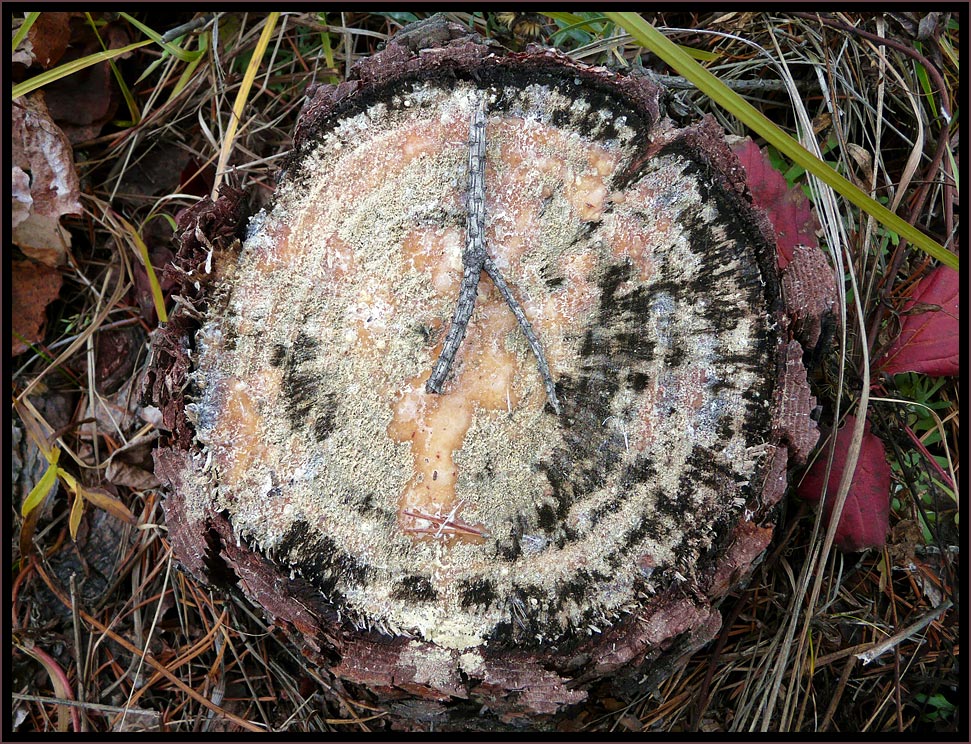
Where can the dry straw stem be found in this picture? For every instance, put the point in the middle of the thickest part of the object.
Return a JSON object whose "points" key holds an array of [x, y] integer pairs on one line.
{"points": [[162, 669], [790, 647], [832, 222], [241, 97]]}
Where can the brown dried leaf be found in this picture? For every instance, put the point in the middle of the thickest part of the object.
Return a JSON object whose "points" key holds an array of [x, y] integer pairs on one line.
{"points": [[77, 511], [49, 37], [40, 148], [132, 465], [22, 200], [103, 500], [158, 171], [33, 287], [84, 102], [116, 351]]}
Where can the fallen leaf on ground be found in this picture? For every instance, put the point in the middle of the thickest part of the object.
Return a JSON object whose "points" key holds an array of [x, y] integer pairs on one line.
{"points": [[929, 329], [787, 208], [132, 465], [103, 500], [84, 102], [156, 171], [40, 149], [48, 39], [866, 513], [33, 287]]}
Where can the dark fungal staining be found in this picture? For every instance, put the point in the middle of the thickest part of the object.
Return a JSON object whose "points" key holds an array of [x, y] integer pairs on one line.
{"points": [[277, 355], [324, 422], [305, 390], [414, 589], [490, 74], [321, 561], [477, 592], [618, 356]]}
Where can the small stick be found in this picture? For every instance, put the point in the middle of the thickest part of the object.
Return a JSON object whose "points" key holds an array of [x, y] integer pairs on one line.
{"points": [[185, 28], [897, 638], [474, 256], [544, 368], [475, 260], [445, 526]]}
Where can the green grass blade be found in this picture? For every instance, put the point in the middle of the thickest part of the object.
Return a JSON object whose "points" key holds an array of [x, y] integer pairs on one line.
{"points": [[190, 68], [125, 91], [173, 49], [925, 82], [569, 18], [22, 31], [325, 45], [648, 36], [63, 71]]}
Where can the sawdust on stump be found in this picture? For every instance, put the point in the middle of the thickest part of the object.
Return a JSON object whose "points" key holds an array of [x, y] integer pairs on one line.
{"points": [[473, 559]]}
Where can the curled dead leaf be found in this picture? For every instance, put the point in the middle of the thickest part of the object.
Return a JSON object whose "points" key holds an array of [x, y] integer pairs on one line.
{"points": [[40, 148], [22, 200], [85, 101], [48, 38], [105, 501], [132, 465]]}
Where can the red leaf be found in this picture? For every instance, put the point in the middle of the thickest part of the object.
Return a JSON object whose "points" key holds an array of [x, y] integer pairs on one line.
{"points": [[928, 340], [866, 513], [788, 209]]}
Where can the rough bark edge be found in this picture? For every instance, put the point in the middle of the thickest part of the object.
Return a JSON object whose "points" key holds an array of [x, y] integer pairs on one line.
{"points": [[809, 289], [209, 235], [793, 403], [463, 55]]}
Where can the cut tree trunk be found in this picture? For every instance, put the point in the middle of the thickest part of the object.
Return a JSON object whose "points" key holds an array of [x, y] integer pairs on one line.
{"points": [[601, 464]]}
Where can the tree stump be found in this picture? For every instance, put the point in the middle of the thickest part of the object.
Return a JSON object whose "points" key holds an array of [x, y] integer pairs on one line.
{"points": [[483, 556]]}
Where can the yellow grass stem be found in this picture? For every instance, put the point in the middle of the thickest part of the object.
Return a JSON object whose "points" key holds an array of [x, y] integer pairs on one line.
{"points": [[142, 249], [241, 97]]}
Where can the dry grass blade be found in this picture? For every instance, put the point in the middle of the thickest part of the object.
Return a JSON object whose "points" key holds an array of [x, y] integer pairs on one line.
{"points": [[120, 288], [142, 656], [241, 98], [142, 251]]}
